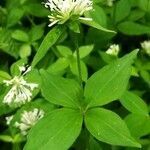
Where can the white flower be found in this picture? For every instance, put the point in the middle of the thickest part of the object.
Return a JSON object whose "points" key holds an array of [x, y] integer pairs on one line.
{"points": [[9, 119], [146, 47], [113, 50], [63, 10], [21, 90], [29, 119], [110, 3]]}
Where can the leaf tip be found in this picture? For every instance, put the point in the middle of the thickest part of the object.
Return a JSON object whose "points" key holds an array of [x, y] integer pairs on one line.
{"points": [[135, 143], [138, 145]]}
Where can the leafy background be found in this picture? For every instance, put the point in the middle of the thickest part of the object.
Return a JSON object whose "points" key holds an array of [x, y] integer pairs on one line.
{"points": [[23, 26]]}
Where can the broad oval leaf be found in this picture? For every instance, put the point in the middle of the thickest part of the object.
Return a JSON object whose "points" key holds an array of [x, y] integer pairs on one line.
{"points": [[59, 66], [50, 39], [109, 83], [85, 50], [134, 103], [98, 11], [108, 127], [60, 91], [122, 10], [56, 131], [20, 35], [139, 125]]}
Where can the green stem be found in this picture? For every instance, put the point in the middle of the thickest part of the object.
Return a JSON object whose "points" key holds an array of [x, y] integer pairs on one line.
{"points": [[79, 64]]}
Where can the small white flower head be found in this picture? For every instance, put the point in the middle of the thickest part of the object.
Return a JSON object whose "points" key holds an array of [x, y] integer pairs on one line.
{"points": [[113, 50], [21, 90], [9, 119], [63, 10], [110, 2], [146, 47], [29, 119]]}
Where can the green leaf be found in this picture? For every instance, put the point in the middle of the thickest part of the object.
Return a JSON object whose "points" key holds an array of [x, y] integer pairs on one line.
{"points": [[144, 5], [134, 103], [25, 51], [20, 36], [107, 58], [122, 10], [7, 43], [50, 39], [59, 66], [14, 16], [146, 76], [75, 71], [40, 103], [36, 32], [33, 9], [85, 50], [4, 109], [136, 15], [56, 131], [110, 82], [108, 127], [14, 69], [64, 50], [95, 36], [33, 76], [74, 26], [133, 3], [4, 76], [6, 138], [96, 25], [132, 28], [98, 11], [60, 91], [138, 125]]}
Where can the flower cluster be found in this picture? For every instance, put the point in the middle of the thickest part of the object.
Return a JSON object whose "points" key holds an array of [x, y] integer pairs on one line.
{"points": [[113, 50], [21, 90], [29, 119], [63, 10], [146, 47]]}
